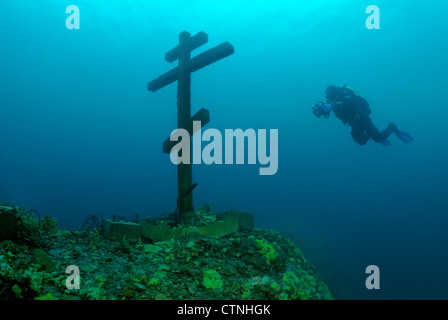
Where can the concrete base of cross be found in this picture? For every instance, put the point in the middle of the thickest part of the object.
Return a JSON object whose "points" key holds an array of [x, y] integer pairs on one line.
{"points": [[226, 223]]}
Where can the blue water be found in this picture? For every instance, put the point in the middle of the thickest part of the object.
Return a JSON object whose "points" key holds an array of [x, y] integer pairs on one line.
{"points": [[80, 134]]}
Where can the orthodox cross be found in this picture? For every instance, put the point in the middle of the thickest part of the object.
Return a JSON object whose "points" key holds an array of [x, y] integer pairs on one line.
{"points": [[182, 73]]}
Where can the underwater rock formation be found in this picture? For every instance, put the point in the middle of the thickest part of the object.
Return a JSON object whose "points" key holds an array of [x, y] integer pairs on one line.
{"points": [[8, 222], [247, 264]]}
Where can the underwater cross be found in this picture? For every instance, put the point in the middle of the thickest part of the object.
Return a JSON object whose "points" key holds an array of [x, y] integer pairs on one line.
{"points": [[182, 73]]}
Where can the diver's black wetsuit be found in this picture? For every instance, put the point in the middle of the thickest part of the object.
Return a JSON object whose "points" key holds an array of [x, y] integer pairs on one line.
{"points": [[353, 110]]}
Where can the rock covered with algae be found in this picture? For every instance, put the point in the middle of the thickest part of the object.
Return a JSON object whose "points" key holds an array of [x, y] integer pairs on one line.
{"points": [[249, 264]]}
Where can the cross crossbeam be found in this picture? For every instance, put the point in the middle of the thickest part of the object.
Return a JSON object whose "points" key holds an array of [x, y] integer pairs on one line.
{"points": [[202, 60]]}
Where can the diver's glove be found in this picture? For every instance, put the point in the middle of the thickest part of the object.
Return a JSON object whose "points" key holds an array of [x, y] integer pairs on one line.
{"points": [[322, 110]]}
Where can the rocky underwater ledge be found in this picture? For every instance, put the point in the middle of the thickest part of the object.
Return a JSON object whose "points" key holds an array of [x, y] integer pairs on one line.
{"points": [[218, 257]]}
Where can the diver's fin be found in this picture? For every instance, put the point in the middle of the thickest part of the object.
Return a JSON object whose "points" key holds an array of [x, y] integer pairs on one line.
{"points": [[386, 143], [403, 136]]}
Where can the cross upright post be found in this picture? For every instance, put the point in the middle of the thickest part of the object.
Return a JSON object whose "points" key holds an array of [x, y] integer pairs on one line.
{"points": [[184, 171], [182, 73]]}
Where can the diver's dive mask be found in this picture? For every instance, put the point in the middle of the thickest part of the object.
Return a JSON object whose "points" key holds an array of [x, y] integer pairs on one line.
{"points": [[331, 93]]}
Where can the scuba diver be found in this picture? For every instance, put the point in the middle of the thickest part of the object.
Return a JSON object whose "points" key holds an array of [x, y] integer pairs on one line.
{"points": [[353, 110]]}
